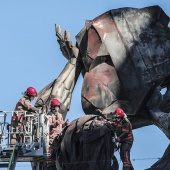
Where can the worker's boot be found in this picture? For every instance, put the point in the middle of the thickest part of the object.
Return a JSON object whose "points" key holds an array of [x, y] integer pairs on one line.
{"points": [[50, 161], [51, 167], [51, 164], [128, 168]]}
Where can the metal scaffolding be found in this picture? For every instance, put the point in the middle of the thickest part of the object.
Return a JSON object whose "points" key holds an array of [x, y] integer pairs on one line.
{"points": [[35, 140]]}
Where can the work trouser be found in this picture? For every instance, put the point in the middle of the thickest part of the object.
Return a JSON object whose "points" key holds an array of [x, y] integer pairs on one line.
{"points": [[53, 134], [17, 124], [125, 155]]}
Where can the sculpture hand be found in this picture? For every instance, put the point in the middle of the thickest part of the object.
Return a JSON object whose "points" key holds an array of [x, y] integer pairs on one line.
{"points": [[69, 50]]}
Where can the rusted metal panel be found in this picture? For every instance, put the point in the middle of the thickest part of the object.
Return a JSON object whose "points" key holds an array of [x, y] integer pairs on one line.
{"points": [[93, 43], [95, 87], [104, 24]]}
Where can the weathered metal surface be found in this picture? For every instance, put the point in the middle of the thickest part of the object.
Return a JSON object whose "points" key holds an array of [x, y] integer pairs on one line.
{"points": [[87, 144], [137, 41], [95, 87]]}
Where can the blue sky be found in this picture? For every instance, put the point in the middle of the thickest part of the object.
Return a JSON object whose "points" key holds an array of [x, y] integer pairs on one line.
{"points": [[30, 56]]}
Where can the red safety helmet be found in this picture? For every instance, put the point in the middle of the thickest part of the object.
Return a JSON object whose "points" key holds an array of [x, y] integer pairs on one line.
{"points": [[31, 91], [55, 102], [119, 112]]}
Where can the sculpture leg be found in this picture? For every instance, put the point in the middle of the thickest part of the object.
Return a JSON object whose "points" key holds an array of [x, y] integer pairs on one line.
{"points": [[159, 113], [163, 163], [160, 116], [161, 119], [166, 101]]}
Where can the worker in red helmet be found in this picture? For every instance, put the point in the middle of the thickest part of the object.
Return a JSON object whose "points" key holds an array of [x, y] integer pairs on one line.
{"points": [[18, 118], [124, 137], [24, 104], [55, 119], [56, 123]]}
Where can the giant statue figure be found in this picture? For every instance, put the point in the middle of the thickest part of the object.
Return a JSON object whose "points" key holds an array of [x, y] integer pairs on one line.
{"points": [[124, 57]]}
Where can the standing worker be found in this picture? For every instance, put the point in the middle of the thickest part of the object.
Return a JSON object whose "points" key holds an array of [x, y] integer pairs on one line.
{"points": [[18, 120], [56, 123], [55, 120], [124, 137]]}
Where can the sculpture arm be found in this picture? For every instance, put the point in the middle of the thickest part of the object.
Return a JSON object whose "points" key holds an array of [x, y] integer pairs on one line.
{"points": [[62, 87]]}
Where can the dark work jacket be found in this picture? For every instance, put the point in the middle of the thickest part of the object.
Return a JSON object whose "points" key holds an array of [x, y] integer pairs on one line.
{"points": [[123, 130]]}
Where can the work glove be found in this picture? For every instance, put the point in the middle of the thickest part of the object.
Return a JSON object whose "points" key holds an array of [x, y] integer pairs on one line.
{"points": [[117, 139]]}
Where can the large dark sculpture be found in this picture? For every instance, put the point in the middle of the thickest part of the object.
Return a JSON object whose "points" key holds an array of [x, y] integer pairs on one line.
{"points": [[124, 57]]}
